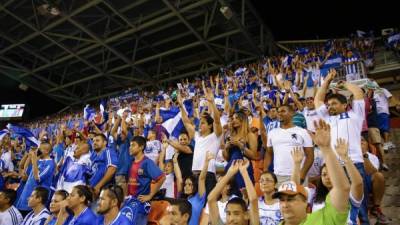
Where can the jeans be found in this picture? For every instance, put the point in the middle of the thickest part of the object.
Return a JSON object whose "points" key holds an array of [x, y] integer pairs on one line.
{"points": [[363, 213]]}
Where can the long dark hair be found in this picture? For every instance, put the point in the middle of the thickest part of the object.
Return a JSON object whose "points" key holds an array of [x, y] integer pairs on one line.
{"points": [[321, 191], [194, 180]]}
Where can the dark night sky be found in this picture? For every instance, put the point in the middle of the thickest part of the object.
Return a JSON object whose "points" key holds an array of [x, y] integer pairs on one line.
{"points": [[288, 20]]}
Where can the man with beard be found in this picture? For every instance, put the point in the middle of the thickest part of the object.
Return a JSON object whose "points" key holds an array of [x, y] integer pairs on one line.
{"points": [[104, 163], [110, 201]]}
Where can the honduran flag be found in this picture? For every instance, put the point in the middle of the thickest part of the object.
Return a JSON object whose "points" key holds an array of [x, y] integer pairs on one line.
{"points": [[3, 133], [89, 113], [172, 118], [30, 139]]}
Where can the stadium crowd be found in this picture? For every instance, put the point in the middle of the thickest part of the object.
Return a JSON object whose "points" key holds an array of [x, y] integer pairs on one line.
{"points": [[284, 140]]}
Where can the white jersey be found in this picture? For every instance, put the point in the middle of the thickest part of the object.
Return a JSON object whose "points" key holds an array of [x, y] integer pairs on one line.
{"points": [[153, 149], [69, 151], [39, 219], [310, 115], [282, 142], [82, 163], [382, 101], [8, 164], [269, 214], [11, 216], [209, 143], [347, 125]]}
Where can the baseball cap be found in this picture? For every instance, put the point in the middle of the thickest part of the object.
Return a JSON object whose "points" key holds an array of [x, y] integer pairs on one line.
{"points": [[290, 188]]}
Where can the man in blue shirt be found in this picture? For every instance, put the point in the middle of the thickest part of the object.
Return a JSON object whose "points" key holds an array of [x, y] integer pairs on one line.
{"points": [[104, 163], [110, 200], [41, 174]]}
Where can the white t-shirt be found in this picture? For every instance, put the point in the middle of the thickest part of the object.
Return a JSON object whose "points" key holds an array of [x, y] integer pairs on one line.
{"points": [[315, 169], [283, 141], [8, 164], [269, 214], [209, 143], [347, 125], [11, 216], [382, 101], [310, 116], [221, 209], [169, 185], [153, 149], [374, 160]]}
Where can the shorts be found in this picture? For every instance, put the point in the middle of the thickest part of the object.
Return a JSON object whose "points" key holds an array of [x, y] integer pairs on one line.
{"points": [[374, 135], [383, 120]]}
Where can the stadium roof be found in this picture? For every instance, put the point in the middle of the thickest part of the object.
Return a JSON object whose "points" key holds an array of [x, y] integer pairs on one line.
{"points": [[77, 51]]}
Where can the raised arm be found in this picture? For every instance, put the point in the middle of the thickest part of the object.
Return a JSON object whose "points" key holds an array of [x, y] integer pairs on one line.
{"points": [[203, 173], [181, 148], [356, 187], [355, 90], [177, 172], [185, 119], [320, 96], [297, 157], [216, 192], [340, 184], [251, 192], [217, 121]]}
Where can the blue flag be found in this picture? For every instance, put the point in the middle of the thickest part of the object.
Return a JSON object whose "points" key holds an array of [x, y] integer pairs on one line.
{"points": [[89, 113], [172, 118], [30, 139]]}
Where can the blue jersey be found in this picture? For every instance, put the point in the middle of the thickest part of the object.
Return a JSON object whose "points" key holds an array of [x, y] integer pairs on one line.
{"points": [[39, 219], [100, 162], [124, 158], [2, 168], [119, 220], [46, 169], [58, 152], [132, 207], [86, 217], [54, 220], [197, 202]]}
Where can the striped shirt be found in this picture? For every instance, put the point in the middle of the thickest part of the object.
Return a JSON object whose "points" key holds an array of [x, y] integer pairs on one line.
{"points": [[39, 219], [11, 216]]}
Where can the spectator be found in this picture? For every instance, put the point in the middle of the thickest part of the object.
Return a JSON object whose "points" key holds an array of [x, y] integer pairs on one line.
{"points": [[356, 187], [179, 212], [37, 202], [58, 196], [240, 143], [280, 143], [110, 200], [345, 124], [9, 215], [236, 211], [208, 138], [104, 164], [195, 191], [375, 182], [141, 174], [41, 174], [173, 175], [153, 147], [78, 203], [382, 98], [185, 150], [293, 197], [269, 209]]}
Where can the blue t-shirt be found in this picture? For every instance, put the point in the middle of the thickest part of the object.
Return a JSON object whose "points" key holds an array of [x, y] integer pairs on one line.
{"points": [[58, 152], [132, 207], [197, 207], [124, 158], [100, 162], [141, 174], [46, 169], [119, 220], [86, 217]]}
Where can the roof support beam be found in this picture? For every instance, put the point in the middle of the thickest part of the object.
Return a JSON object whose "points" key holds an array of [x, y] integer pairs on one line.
{"points": [[137, 62], [195, 33]]}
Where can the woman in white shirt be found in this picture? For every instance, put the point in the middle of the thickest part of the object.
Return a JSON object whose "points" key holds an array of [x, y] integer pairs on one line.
{"points": [[269, 210]]}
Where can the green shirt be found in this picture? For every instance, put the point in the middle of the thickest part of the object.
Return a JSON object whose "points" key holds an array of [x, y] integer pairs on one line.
{"points": [[326, 216]]}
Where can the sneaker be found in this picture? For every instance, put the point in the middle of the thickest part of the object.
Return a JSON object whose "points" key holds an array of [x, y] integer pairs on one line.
{"points": [[380, 217], [391, 145], [384, 167], [386, 147]]}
